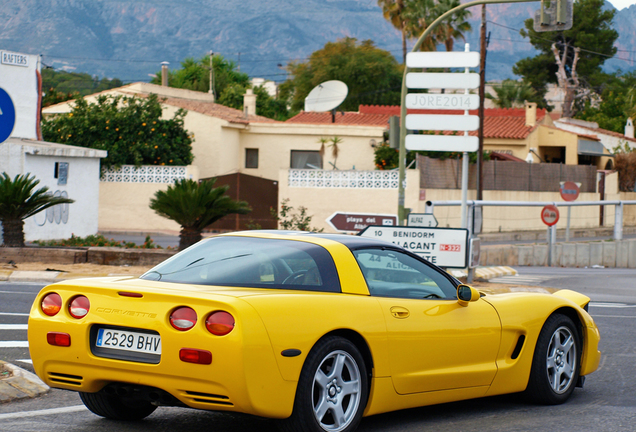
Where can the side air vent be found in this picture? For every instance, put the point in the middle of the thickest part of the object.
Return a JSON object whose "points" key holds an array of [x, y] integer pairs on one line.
{"points": [[65, 379], [207, 398], [517, 350]]}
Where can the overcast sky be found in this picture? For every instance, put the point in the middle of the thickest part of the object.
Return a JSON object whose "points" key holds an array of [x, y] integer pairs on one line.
{"points": [[620, 4]]}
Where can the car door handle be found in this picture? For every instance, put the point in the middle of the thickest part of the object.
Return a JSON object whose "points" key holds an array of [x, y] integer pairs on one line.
{"points": [[400, 312]]}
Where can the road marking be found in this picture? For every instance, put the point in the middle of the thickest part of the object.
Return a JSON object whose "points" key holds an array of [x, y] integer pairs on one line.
{"points": [[612, 316], [18, 292], [14, 314], [611, 305], [14, 326], [29, 361], [14, 344], [70, 409]]}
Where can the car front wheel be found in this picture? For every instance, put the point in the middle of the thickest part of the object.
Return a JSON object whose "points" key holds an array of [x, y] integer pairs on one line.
{"points": [[555, 366], [332, 390]]}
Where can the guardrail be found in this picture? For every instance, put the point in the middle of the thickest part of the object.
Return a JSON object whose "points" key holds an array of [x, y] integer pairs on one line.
{"points": [[618, 215]]}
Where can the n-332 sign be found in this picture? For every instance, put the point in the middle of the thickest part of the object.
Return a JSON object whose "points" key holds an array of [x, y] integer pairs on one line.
{"points": [[445, 247]]}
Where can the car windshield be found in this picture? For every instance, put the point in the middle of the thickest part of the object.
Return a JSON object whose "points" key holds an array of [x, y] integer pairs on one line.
{"points": [[251, 262]]}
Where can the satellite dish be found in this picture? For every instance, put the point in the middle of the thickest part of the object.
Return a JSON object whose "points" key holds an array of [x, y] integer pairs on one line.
{"points": [[326, 96]]}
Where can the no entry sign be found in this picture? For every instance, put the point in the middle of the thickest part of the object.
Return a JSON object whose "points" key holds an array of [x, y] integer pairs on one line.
{"points": [[569, 190], [550, 215]]}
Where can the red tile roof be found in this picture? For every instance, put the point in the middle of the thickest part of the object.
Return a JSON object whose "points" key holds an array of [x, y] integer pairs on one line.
{"points": [[347, 118], [498, 123], [601, 131], [212, 109]]}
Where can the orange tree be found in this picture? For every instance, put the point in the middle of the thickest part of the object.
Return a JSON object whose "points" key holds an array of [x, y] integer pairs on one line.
{"points": [[131, 129]]}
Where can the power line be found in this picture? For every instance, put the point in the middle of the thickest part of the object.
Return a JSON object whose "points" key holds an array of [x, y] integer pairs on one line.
{"points": [[561, 43]]}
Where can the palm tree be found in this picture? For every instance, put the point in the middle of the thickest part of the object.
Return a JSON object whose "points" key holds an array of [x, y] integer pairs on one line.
{"points": [[512, 94], [18, 201], [334, 149], [393, 11], [195, 206], [417, 16], [455, 26], [321, 152]]}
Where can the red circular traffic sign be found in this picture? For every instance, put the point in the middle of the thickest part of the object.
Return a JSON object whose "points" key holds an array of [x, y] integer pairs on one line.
{"points": [[550, 215], [569, 191]]}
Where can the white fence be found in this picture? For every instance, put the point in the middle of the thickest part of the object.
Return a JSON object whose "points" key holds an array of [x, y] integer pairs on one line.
{"points": [[313, 178], [144, 174]]}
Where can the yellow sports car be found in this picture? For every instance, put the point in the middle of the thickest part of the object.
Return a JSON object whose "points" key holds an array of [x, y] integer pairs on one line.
{"points": [[317, 330]]}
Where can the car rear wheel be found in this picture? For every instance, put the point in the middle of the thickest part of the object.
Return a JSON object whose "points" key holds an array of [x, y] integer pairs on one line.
{"points": [[117, 408], [555, 366], [332, 390]]}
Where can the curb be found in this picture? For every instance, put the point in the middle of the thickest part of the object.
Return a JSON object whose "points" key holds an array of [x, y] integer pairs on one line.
{"points": [[22, 384], [486, 273], [49, 276]]}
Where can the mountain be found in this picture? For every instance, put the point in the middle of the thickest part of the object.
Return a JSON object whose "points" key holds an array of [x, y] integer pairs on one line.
{"points": [[129, 39]]}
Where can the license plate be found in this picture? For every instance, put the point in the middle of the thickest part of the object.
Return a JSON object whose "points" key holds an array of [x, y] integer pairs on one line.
{"points": [[128, 341]]}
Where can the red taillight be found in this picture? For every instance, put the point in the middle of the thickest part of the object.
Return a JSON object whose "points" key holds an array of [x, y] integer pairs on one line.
{"points": [[191, 355], [183, 318], [220, 323], [79, 307], [58, 339], [51, 304]]}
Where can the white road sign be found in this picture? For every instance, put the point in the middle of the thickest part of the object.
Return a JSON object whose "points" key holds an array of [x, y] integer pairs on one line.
{"points": [[445, 143], [442, 122], [422, 220], [445, 59], [445, 247], [425, 80], [443, 101]]}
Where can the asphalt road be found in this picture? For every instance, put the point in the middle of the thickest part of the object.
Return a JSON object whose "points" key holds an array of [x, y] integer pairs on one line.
{"points": [[607, 403]]}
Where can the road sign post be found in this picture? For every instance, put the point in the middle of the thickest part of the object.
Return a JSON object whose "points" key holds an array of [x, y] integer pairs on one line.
{"points": [[403, 105], [422, 220], [569, 192], [445, 247], [550, 216], [356, 222]]}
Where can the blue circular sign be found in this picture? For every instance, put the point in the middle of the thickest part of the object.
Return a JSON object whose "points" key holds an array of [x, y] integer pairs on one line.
{"points": [[7, 115]]}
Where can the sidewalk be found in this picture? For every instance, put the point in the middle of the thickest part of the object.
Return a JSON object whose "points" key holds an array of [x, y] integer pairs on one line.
{"points": [[17, 383]]}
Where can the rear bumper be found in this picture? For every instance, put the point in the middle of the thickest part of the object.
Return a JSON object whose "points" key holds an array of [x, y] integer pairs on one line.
{"points": [[241, 378]]}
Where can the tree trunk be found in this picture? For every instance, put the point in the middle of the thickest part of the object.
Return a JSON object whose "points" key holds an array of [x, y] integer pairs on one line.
{"points": [[13, 232], [403, 44], [188, 237]]}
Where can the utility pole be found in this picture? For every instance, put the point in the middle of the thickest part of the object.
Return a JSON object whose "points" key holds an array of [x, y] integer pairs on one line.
{"points": [[211, 91], [482, 97]]}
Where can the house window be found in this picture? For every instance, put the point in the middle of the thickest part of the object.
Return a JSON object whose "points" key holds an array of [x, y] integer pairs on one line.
{"points": [[302, 159], [251, 158]]}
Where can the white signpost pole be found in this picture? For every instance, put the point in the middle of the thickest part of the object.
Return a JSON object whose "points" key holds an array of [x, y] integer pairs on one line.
{"points": [[465, 162]]}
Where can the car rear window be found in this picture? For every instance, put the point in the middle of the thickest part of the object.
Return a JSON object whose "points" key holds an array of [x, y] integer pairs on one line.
{"points": [[251, 262]]}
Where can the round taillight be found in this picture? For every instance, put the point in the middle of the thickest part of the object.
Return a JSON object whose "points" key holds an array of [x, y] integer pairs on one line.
{"points": [[220, 323], [51, 304], [183, 318], [79, 307]]}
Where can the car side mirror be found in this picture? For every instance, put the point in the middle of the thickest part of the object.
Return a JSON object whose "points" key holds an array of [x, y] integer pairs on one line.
{"points": [[466, 294]]}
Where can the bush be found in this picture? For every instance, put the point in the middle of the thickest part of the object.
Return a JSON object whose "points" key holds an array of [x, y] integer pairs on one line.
{"points": [[97, 240]]}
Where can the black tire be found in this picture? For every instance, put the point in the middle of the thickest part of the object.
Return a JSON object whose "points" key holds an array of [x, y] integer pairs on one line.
{"points": [[324, 390], [115, 407], [556, 362]]}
